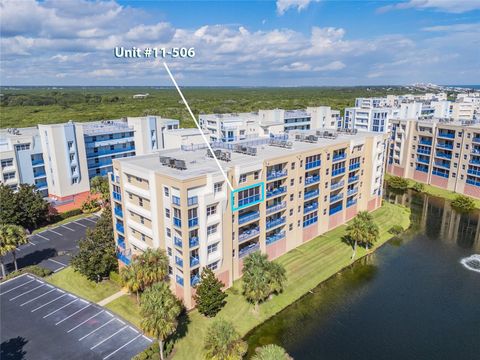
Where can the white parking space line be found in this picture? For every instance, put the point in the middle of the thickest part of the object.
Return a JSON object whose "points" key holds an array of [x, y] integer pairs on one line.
{"points": [[38, 297], [66, 227], [16, 287], [101, 342], [146, 338], [76, 222], [88, 219], [38, 308], [43, 237], [26, 292], [91, 332], [55, 232], [121, 347], [60, 308], [31, 242], [83, 322], [57, 262], [69, 316], [14, 279]]}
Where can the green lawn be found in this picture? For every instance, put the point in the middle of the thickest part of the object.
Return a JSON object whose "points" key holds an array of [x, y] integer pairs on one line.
{"points": [[76, 283], [126, 307], [306, 266], [435, 191]]}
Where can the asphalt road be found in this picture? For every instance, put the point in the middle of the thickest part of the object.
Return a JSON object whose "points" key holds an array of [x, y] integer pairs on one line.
{"points": [[52, 248]]}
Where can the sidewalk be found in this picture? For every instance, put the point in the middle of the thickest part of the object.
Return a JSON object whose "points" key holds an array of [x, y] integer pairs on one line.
{"points": [[112, 297]]}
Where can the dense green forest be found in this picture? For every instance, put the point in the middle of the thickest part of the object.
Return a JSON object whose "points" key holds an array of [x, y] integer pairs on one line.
{"points": [[21, 107]]}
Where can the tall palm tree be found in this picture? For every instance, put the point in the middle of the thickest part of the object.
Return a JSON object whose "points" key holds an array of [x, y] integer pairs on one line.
{"points": [[223, 342], [256, 280], [153, 266], [356, 231], [14, 235], [5, 247], [131, 278], [278, 277], [271, 352], [159, 309], [372, 233]]}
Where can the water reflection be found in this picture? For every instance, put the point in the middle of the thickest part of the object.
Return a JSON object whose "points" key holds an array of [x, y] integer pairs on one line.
{"points": [[436, 218]]}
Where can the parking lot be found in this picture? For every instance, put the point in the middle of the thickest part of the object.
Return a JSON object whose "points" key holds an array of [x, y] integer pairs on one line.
{"points": [[41, 321], [52, 248]]}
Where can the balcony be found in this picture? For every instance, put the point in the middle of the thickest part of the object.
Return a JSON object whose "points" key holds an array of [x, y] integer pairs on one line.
{"points": [[276, 237], [41, 185], [244, 218], [193, 242], [426, 142], [108, 142], [276, 174], [443, 155], [192, 201], [39, 174], [473, 172], [192, 222], [312, 179], [106, 152], [476, 139], [445, 134], [353, 179], [475, 161], [310, 221], [352, 191], [117, 196], [354, 166], [118, 212], [249, 200], [336, 198], [335, 209], [277, 207], [123, 258], [179, 261], [194, 280], [424, 161], [179, 280], [351, 202], [445, 146], [121, 242], [310, 207], [194, 261], [442, 165], [424, 151], [311, 194], [276, 192], [248, 234], [175, 200], [339, 157], [312, 164], [473, 182], [337, 172], [248, 249], [273, 223], [422, 169], [38, 162], [337, 185], [119, 227], [438, 173], [177, 242], [177, 222]]}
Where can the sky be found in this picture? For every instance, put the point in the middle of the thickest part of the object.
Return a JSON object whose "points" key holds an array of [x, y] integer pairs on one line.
{"points": [[241, 43]]}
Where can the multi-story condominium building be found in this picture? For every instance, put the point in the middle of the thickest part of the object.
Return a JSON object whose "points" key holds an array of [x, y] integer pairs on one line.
{"points": [[60, 159], [374, 119], [241, 126], [286, 190], [443, 153]]}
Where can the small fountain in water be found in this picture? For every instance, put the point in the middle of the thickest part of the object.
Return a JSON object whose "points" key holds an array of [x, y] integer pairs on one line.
{"points": [[472, 263]]}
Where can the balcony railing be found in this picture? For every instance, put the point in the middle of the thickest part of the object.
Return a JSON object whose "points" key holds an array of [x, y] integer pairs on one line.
{"points": [[192, 201], [38, 162], [121, 242], [337, 185], [118, 212], [194, 261], [473, 172], [352, 179], [194, 280], [117, 196], [337, 172], [425, 161], [193, 241], [339, 157], [179, 280], [445, 146], [123, 258], [310, 207], [424, 151], [312, 179], [177, 242], [91, 154], [119, 228], [277, 191], [426, 142], [476, 139], [446, 135], [352, 191], [422, 169], [248, 234], [177, 222], [310, 221], [442, 165], [242, 219], [335, 209], [473, 182], [443, 155], [351, 202], [41, 185], [335, 198], [39, 174], [277, 207], [192, 222], [272, 223], [311, 194], [273, 238], [354, 166], [248, 249], [276, 174], [312, 164], [248, 200], [474, 161], [438, 173], [179, 261]]}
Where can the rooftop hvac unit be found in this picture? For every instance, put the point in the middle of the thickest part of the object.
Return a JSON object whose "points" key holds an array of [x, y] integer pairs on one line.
{"points": [[225, 156], [180, 164], [164, 160]]}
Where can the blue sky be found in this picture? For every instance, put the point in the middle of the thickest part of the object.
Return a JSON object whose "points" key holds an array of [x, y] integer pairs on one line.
{"points": [[243, 43]]}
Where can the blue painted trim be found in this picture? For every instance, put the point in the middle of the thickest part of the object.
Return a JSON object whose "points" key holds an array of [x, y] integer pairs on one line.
{"points": [[262, 196]]}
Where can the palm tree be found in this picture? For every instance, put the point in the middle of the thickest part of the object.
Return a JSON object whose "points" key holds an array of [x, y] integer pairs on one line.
{"points": [[256, 282], [14, 235], [223, 342], [153, 266], [131, 278], [278, 277], [159, 309], [372, 233], [356, 232], [271, 352], [5, 247]]}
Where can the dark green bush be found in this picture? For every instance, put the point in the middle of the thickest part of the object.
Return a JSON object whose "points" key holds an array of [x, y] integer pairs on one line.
{"points": [[418, 187], [463, 204], [397, 183], [395, 230], [32, 269]]}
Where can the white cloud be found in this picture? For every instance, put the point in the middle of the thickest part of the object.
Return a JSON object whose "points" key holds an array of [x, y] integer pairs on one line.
{"points": [[440, 5], [333, 66], [284, 5]]}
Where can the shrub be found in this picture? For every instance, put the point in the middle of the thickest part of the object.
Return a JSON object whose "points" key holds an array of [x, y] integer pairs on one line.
{"points": [[463, 204], [418, 187], [32, 269], [396, 229], [90, 206], [115, 277], [397, 183], [70, 213]]}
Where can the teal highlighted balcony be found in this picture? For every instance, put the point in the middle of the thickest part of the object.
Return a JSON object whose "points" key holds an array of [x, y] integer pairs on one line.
{"points": [[193, 241], [312, 164], [179, 261], [277, 207], [351, 202], [118, 212], [193, 200], [424, 151], [426, 142], [194, 280], [336, 198], [339, 171], [177, 241], [276, 174], [337, 185], [339, 157], [473, 182], [443, 155], [354, 166], [309, 208], [249, 234], [312, 179], [351, 192], [244, 218], [117, 196], [311, 194], [445, 146], [275, 192], [247, 196], [248, 249], [194, 261], [446, 134], [336, 209], [276, 222], [352, 179], [275, 237], [192, 222], [177, 222], [310, 221], [119, 227], [179, 280]]}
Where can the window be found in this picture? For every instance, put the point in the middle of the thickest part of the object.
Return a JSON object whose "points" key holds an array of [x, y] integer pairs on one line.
{"points": [[290, 227], [169, 232], [142, 220], [167, 213], [212, 248], [8, 176], [213, 266], [291, 197], [70, 143], [165, 191], [140, 201], [72, 157], [292, 166], [7, 162], [143, 237], [212, 229], [211, 210], [292, 182], [291, 212], [217, 187], [243, 178]]}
